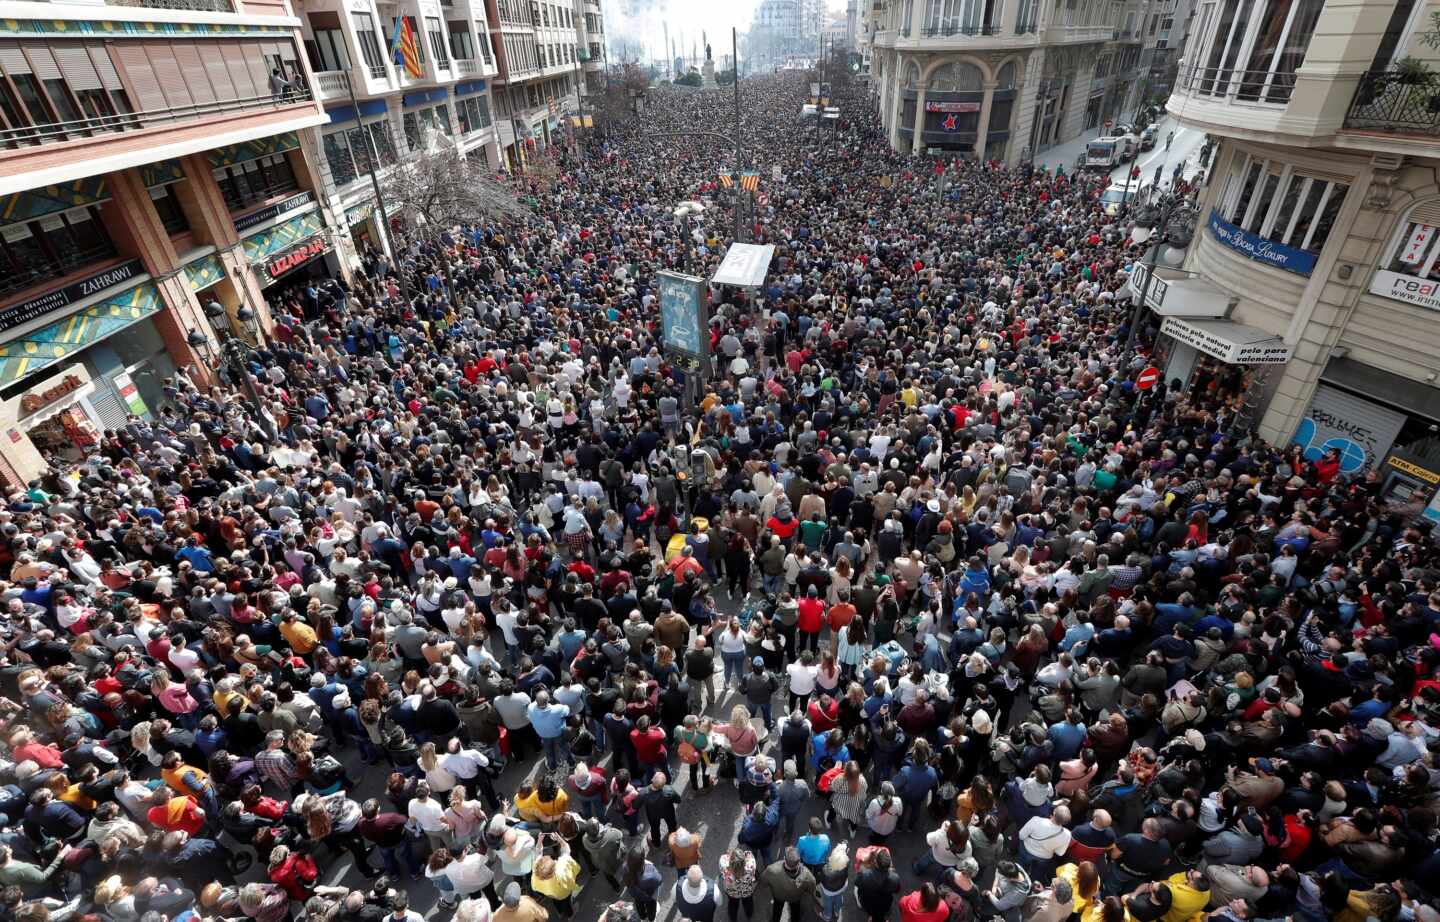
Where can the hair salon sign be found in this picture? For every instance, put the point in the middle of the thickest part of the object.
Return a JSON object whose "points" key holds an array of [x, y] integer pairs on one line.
{"points": [[1259, 249]]}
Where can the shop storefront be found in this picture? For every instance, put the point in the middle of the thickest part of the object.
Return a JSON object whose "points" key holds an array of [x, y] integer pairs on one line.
{"points": [[65, 376], [1379, 422], [290, 252], [1227, 359]]}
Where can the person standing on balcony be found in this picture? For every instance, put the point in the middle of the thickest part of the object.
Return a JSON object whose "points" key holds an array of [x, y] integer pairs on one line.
{"points": [[279, 86]]}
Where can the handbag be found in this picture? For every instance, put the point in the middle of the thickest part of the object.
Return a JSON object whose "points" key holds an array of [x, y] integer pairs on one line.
{"points": [[828, 779]]}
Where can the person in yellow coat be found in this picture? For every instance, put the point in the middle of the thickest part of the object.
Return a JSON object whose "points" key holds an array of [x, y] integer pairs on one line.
{"points": [[1084, 881], [1189, 895], [558, 879]]}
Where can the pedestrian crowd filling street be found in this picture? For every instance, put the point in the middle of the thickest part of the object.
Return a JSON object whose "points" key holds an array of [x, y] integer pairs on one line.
{"points": [[917, 608]]}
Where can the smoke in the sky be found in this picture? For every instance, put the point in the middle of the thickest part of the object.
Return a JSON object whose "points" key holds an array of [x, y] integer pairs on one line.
{"points": [[635, 29]]}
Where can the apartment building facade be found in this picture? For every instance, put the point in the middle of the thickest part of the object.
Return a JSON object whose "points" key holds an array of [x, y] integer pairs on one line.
{"points": [[1314, 270], [539, 46], [382, 107], [155, 158], [1001, 79]]}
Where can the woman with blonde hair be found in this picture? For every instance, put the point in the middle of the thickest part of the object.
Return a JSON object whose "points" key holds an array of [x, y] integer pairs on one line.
{"points": [[465, 818], [558, 879], [832, 882], [743, 739], [440, 778]]}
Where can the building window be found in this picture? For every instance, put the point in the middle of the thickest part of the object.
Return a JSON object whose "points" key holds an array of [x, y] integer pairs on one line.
{"points": [[460, 46], [327, 50], [474, 113], [369, 44], [35, 251], [1278, 32], [167, 206], [437, 41], [1416, 249], [244, 184], [1273, 201]]}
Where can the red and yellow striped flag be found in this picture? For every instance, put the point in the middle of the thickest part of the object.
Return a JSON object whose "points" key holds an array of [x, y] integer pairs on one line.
{"points": [[727, 180], [750, 181]]}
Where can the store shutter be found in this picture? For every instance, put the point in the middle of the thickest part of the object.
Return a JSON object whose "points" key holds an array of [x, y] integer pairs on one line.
{"points": [[75, 65], [105, 67], [234, 53], [194, 73], [13, 59], [138, 70], [113, 414], [219, 75], [167, 69], [43, 62]]}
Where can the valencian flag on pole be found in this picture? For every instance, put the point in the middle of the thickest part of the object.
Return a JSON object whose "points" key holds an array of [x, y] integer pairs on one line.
{"points": [[727, 179], [405, 47], [750, 181]]}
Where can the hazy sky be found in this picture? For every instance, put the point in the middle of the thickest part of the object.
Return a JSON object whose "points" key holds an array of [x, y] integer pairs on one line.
{"points": [[633, 23]]}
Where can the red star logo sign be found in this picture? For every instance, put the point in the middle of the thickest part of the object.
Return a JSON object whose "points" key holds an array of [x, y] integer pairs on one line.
{"points": [[949, 123]]}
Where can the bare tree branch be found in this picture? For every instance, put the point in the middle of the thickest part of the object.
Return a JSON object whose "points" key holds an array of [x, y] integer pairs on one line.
{"points": [[440, 188]]}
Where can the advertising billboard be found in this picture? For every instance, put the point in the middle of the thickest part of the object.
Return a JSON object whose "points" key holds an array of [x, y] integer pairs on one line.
{"points": [[684, 326]]}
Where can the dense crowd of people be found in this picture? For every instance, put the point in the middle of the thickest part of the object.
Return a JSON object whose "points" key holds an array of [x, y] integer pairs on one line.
{"points": [[916, 562]]}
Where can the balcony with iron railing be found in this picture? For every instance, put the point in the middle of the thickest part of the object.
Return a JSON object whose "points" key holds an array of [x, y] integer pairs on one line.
{"points": [[954, 28], [1396, 102], [466, 67], [104, 126], [1228, 85], [198, 6]]}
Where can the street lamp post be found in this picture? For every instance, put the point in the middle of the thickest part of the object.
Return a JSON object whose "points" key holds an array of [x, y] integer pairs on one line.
{"points": [[1168, 224], [232, 353], [683, 213]]}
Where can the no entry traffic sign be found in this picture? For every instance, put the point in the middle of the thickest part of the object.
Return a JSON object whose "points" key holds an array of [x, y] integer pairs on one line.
{"points": [[1147, 378]]}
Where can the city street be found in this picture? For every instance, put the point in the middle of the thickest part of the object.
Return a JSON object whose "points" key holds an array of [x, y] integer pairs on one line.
{"points": [[1184, 147]]}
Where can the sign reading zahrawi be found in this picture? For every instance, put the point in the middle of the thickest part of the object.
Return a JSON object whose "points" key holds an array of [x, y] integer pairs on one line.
{"points": [[17, 314], [682, 314], [1258, 248]]}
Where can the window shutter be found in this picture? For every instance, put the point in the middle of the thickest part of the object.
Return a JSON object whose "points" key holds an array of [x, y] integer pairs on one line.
{"points": [[43, 62], [234, 53], [194, 73], [220, 82], [75, 65], [13, 59], [138, 70], [167, 69], [259, 68], [100, 57]]}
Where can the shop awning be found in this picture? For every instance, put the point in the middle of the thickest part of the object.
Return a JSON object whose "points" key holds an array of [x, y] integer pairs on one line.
{"points": [[1230, 342], [1384, 387], [1180, 294], [49, 344]]}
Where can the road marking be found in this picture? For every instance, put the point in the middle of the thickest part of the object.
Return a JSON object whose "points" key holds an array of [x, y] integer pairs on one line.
{"points": [[1160, 150]]}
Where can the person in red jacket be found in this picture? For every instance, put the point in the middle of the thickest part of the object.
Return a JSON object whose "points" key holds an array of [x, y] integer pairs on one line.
{"points": [[295, 873], [170, 811], [24, 747], [812, 615], [923, 905], [649, 743]]}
